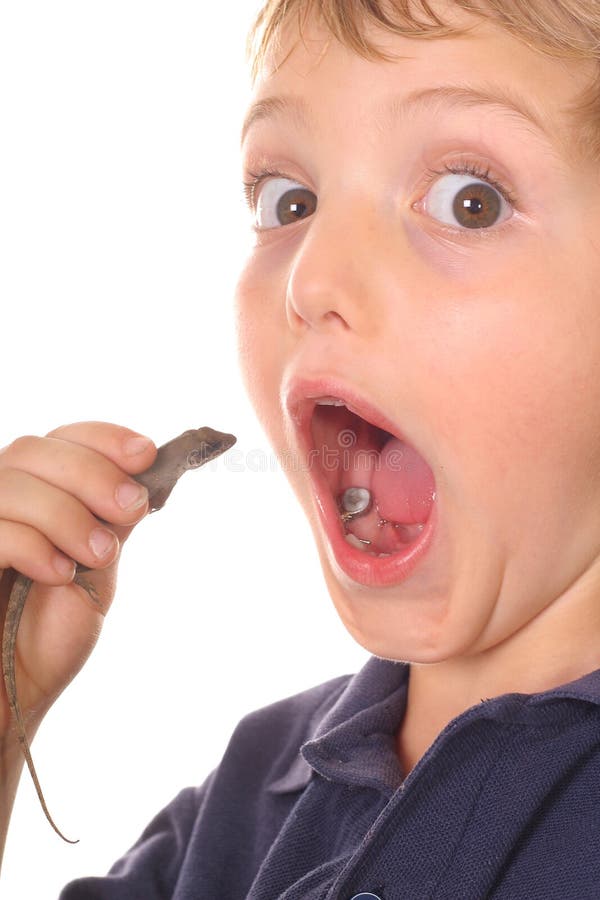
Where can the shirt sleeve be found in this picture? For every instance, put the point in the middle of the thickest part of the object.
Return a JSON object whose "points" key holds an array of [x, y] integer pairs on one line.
{"points": [[151, 867]]}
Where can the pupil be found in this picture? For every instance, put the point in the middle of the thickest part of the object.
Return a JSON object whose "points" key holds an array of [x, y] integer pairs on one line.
{"points": [[473, 206]]}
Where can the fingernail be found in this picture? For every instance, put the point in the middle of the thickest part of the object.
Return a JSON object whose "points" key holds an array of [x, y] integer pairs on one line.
{"points": [[102, 542], [136, 445], [64, 566], [131, 496]]}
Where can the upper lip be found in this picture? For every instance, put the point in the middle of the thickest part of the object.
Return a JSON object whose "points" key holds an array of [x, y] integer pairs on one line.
{"points": [[300, 395]]}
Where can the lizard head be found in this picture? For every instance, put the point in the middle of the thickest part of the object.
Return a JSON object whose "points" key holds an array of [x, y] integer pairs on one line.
{"points": [[211, 444]]}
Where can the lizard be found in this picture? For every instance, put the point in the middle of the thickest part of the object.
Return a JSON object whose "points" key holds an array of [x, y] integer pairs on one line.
{"points": [[190, 450]]}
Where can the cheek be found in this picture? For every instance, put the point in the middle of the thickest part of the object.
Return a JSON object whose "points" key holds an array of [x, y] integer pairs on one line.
{"points": [[514, 378], [261, 344]]}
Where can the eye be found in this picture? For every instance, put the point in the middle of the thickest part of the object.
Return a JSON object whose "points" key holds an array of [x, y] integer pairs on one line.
{"points": [[281, 201], [457, 199]]}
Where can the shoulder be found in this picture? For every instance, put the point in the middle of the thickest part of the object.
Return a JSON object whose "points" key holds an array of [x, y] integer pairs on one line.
{"points": [[264, 747], [298, 714]]}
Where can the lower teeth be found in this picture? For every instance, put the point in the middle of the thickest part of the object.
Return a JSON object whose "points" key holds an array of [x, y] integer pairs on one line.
{"points": [[364, 545], [356, 542], [358, 503]]}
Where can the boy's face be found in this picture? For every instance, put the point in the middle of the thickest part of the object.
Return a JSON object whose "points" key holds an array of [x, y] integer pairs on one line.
{"points": [[480, 342]]}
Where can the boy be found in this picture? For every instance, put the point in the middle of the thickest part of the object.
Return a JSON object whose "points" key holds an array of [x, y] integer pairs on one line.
{"points": [[419, 329]]}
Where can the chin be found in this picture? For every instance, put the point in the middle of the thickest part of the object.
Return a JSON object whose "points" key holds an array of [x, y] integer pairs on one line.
{"points": [[392, 628]]}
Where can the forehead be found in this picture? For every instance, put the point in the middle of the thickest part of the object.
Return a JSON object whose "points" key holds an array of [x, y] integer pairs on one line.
{"points": [[485, 65]]}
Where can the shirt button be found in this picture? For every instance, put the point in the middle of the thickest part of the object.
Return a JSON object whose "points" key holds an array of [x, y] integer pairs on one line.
{"points": [[364, 896]]}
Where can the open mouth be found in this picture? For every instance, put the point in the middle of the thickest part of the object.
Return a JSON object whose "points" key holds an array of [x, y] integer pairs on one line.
{"points": [[374, 492], [382, 488]]}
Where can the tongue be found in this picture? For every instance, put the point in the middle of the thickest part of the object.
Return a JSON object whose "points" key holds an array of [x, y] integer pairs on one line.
{"points": [[402, 484]]}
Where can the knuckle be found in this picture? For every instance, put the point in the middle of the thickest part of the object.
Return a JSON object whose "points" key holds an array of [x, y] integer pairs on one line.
{"points": [[21, 446], [11, 478], [64, 429]]}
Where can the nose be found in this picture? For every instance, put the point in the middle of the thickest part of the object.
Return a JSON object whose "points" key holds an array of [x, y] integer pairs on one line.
{"points": [[333, 281]]}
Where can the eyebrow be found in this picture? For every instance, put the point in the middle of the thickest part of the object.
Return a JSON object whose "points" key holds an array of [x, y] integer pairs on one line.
{"points": [[454, 96]]}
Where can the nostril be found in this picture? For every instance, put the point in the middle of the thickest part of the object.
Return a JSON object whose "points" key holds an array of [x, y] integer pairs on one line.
{"points": [[336, 316]]}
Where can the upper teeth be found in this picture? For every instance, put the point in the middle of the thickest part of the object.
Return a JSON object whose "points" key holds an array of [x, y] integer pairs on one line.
{"points": [[329, 401]]}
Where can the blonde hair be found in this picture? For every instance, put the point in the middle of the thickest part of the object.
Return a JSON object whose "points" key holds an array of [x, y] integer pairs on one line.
{"points": [[567, 29]]}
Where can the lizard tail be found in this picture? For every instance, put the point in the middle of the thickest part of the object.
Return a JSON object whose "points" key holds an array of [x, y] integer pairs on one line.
{"points": [[16, 604]]}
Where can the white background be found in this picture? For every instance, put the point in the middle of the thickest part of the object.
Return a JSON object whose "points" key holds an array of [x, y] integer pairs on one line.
{"points": [[122, 231]]}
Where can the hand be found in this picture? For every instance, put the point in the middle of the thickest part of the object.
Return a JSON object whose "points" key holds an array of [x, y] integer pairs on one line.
{"points": [[53, 492]]}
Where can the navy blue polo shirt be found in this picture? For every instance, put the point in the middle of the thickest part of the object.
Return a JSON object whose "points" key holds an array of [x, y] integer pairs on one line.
{"points": [[309, 803]]}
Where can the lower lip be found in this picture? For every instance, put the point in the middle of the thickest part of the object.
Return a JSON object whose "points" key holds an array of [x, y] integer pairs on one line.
{"points": [[361, 567]]}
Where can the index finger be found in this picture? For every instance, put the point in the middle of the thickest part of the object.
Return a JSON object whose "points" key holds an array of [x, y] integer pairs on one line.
{"points": [[131, 451]]}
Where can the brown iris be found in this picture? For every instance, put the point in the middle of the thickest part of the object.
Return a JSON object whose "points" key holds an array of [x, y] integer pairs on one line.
{"points": [[295, 204], [477, 206]]}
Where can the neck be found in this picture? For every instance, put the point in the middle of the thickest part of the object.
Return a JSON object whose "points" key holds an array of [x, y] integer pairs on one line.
{"points": [[559, 645]]}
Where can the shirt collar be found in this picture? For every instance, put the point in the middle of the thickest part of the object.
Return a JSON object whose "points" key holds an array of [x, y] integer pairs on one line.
{"points": [[355, 730], [354, 739], [586, 688]]}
